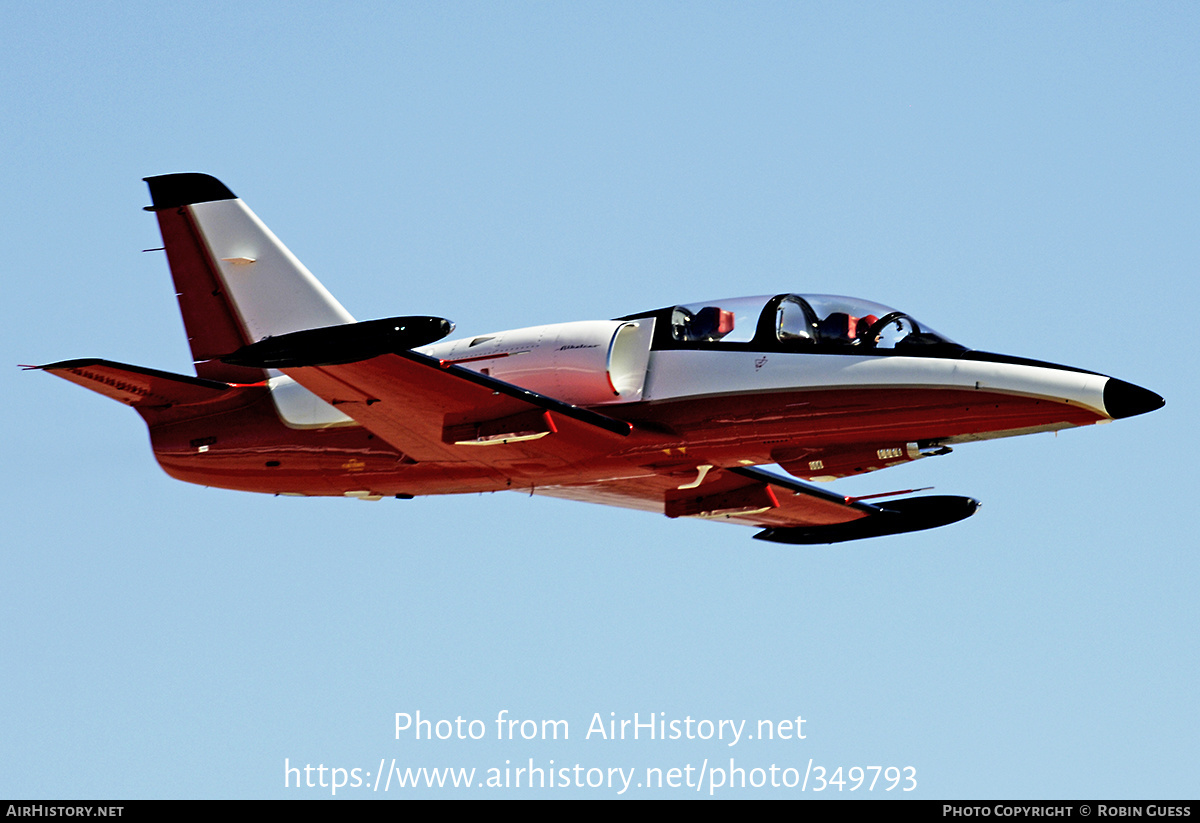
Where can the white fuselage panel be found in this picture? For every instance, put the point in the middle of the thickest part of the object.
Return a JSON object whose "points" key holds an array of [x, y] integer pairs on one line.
{"points": [[697, 373]]}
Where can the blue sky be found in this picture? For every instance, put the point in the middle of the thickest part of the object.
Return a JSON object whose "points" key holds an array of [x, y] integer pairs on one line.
{"points": [[1021, 176]]}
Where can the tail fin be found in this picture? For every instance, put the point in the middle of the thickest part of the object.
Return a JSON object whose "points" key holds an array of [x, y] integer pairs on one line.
{"points": [[235, 281]]}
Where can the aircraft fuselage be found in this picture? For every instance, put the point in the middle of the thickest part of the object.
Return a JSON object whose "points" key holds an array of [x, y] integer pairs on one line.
{"points": [[669, 410]]}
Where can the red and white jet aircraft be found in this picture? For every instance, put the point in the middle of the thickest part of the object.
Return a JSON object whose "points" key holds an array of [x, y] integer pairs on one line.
{"points": [[670, 411]]}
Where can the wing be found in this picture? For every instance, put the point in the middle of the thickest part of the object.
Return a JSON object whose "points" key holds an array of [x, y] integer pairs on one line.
{"points": [[433, 411], [787, 511]]}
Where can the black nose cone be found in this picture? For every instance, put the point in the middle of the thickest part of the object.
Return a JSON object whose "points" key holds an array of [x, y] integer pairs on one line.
{"points": [[1123, 399]]}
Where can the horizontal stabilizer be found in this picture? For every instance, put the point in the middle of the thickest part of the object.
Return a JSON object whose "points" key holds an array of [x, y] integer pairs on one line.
{"points": [[137, 386], [153, 393]]}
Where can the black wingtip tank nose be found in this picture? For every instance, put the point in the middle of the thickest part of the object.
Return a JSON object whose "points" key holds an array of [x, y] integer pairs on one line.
{"points": [[1123, 399]]}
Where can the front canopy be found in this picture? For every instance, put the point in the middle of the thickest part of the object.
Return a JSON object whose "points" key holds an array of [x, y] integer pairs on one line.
{"points": [[800, 322]]}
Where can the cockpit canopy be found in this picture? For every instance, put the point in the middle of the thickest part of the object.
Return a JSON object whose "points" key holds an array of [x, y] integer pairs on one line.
{"points": [[796, 322]]}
